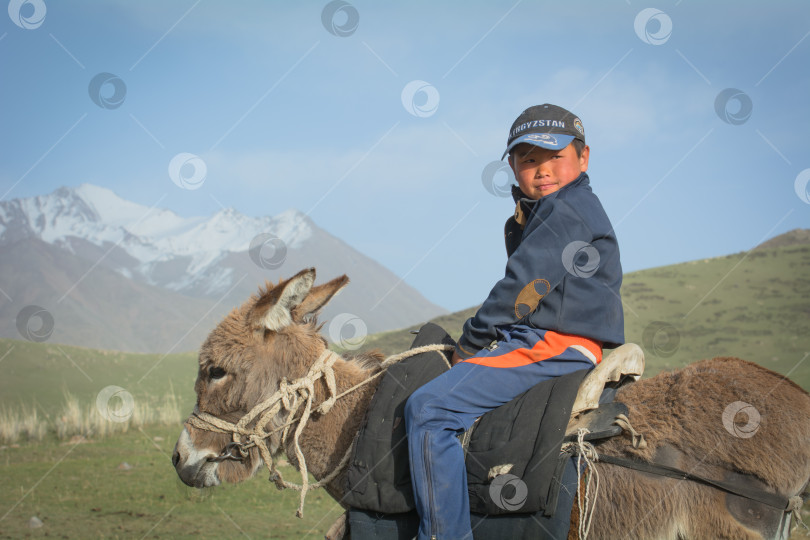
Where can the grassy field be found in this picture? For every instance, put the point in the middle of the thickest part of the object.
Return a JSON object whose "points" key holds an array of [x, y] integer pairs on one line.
{"points": [[83, 490], [754, 305]]}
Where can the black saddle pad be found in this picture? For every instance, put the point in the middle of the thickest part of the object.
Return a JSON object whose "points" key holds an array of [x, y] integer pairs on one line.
{"points": [[366, 525], [506, 440], [514, 460], [378, 476]]}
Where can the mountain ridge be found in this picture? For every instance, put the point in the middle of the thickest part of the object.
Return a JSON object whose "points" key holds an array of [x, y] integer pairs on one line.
{"points": [[206, 265]]}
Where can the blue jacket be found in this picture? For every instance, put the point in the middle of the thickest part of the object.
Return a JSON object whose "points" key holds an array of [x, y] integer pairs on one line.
{"points": [[563, 273]]}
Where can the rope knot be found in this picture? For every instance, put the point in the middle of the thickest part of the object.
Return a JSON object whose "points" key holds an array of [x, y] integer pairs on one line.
{"points": [[304, 392], [326, 406], [277, 479], [284, 393], [795, 508]]}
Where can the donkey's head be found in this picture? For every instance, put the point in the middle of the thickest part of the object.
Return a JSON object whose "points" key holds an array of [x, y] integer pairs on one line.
{"points": [[273, 335]]}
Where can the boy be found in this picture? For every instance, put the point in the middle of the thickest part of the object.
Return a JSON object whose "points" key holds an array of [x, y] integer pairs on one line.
{"points": [[550, 315]]}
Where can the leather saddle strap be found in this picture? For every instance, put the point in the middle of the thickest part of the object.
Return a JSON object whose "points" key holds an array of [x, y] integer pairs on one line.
{"points": [[771, 499]]}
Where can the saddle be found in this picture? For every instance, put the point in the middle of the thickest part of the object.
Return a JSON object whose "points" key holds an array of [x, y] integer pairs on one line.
{"points": [[502, 445]]}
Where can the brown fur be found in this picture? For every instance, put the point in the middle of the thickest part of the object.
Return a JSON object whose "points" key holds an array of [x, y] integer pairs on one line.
{"points": [[255, 360], [680, 414]]}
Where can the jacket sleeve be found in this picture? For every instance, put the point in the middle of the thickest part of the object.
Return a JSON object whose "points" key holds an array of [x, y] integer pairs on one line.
{"points": [[535, 268]]}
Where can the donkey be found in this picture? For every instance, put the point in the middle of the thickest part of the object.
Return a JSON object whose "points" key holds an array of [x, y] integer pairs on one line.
{"points": [[725, 419]]}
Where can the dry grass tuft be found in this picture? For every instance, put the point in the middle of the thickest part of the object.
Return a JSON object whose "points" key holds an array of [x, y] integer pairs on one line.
{"points": [[27, 424]]}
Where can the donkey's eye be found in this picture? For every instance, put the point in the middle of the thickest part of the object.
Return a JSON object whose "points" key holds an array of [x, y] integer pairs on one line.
{"points": [[216, 372]]}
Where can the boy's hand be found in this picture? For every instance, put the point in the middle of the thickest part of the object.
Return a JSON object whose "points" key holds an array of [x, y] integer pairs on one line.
{"points": [[456, 359]]}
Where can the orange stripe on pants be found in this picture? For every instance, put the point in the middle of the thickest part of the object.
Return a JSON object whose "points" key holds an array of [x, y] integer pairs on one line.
{"points": [[553, 344]]}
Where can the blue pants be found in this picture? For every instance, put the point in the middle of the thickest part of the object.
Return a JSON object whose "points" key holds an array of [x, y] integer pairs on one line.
{"points": [[449, 404]]}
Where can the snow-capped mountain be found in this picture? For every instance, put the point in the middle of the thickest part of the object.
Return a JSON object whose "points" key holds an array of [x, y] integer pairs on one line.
{"points": [[149, 236], [59, 247]]}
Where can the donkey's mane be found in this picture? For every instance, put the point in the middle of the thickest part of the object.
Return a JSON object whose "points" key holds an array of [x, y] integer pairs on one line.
{"points": [[368, 361]]}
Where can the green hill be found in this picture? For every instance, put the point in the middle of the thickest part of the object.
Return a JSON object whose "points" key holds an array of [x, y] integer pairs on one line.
{"points": [[755, 305]]}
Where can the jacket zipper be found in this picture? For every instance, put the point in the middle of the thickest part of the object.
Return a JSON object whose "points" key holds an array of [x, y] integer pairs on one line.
{"points": [[425, 456]]}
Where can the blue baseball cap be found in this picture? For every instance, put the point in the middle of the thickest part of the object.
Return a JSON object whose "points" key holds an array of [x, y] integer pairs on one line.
{"points": [[547, 126]]}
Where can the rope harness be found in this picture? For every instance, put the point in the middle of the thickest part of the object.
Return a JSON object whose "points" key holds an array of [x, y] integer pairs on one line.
{"points": [[586, 454], [250, 431]]}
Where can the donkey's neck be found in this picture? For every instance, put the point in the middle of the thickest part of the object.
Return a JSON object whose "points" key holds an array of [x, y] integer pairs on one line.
{"points": [[327, 437]]}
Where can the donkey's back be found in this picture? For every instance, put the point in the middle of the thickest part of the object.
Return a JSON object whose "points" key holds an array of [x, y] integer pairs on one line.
{"points": [[724, 419]]}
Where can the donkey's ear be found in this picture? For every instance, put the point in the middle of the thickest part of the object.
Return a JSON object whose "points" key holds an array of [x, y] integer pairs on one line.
{"points": [[273, 311], [318, 297]]}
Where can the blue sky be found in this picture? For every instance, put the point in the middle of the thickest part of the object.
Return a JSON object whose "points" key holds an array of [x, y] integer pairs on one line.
{"points": [[286, 114]]}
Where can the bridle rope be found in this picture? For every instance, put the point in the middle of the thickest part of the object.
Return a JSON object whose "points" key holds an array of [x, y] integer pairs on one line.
{"points": [[291, 397]]}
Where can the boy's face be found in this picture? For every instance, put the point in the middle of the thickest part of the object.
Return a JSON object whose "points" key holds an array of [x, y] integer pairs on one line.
{"points": [[540, 172]]}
